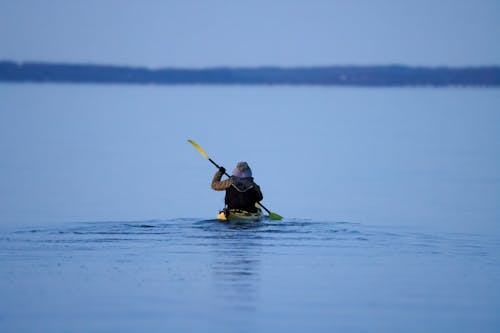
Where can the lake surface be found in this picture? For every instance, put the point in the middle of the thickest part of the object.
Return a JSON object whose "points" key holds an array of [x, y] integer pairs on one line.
{"points": [[195, 275], [390, 198]]}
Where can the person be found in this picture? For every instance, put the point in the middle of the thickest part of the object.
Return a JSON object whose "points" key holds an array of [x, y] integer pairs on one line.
{"points": [[241, 191]]}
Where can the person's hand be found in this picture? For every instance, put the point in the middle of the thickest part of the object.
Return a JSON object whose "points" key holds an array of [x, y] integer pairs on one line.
{"points": [[222, 170]]}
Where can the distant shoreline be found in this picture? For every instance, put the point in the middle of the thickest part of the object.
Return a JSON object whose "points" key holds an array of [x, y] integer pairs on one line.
{"points": [[360, 76]]}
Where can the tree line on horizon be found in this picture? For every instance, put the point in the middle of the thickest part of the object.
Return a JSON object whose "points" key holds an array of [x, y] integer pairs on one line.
{"points": [[390, 75]]}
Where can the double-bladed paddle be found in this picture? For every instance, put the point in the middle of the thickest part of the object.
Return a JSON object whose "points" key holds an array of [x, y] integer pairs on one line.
{"points": [[272, 216]]}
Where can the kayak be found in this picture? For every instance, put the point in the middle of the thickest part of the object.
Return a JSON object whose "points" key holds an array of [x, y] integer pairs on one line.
{"points": [[239, 215]]}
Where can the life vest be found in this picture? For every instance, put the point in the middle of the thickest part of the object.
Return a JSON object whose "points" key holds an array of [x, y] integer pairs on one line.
{"points": [[243, 194]]}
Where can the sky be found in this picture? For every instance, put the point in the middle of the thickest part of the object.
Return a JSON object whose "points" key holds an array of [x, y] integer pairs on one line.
{"points": [[190, 33]]}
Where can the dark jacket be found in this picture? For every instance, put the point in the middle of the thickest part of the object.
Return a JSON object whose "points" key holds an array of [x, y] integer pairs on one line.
{"points": [[241, 193]]}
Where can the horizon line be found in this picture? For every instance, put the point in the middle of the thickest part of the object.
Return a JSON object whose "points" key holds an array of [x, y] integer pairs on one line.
{"points": [[387, 65]]}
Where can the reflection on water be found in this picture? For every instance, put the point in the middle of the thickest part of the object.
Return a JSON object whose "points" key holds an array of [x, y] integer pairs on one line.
{"points": [[236, 275], [190, 274], [235, 265]]}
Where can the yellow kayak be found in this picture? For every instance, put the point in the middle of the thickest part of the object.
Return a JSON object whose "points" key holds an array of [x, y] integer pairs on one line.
{"points": [[241, 215]]}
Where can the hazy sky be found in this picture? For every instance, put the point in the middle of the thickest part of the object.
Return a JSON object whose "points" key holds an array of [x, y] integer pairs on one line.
{"points": [[190, 33]]}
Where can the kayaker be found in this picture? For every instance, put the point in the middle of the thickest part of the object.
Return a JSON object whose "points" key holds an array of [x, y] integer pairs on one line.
{"points": [[241, 191]]}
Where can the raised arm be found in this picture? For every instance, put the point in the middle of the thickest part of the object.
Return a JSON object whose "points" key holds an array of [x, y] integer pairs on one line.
{"points": [[219, 185]]}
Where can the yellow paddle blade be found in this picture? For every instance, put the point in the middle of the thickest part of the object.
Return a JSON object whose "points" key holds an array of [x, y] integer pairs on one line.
{"points": [[198, 148]]}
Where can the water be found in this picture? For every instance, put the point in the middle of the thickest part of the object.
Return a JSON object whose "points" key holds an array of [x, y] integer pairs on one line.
{"points": [[378, 156], [390, 198], [193, 275]]}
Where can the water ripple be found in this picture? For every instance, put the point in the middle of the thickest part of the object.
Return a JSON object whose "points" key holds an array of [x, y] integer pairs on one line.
{"points": [[297, 233]]}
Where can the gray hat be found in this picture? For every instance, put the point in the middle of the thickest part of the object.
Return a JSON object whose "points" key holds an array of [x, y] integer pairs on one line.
{"points": [[242, 170]]}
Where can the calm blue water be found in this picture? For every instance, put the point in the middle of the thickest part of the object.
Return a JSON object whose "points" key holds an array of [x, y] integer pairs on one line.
{"points": [[390, 197], [196, 275], [379, 156]]}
